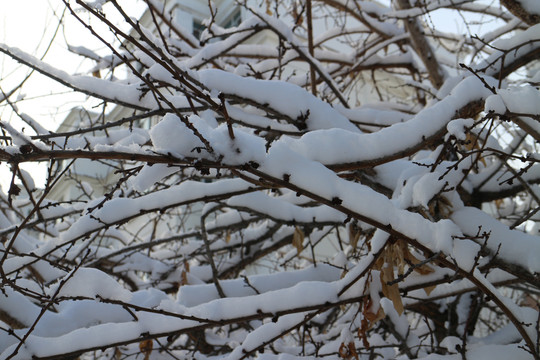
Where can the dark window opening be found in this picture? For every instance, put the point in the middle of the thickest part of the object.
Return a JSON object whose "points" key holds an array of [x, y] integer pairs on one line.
{"points": [[234, 20], [198, 28]]}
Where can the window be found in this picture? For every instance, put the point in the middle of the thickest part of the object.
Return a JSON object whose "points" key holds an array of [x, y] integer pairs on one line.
{"points": [[233, 20], [198, 28]]}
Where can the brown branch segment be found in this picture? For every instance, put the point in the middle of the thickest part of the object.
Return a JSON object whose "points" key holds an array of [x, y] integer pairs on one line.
{"points": [[515, 7], [422, 47]]}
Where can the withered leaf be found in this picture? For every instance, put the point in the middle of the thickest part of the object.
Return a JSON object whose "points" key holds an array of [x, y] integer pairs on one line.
{"points": [[429, 289], [472, 143], [354, 235], [146, 348], [183, 278], [423, 269], [391, 291], [268, 10], [298, 239], [348, 351]]}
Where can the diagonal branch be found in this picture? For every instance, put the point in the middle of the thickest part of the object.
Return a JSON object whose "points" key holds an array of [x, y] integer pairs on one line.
{"points": [[422, 47], [517, 9]]}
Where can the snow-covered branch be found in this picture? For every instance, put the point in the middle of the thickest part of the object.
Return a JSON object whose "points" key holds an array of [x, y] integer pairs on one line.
{"points": [[277, 180]]}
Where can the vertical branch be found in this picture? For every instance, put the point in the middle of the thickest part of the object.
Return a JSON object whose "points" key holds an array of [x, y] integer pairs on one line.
{"points": [[223, 109], [210, 255], [309, 20], [422, 47], [151, 9]]}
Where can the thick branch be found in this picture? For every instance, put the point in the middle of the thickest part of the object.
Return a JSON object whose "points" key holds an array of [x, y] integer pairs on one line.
{"points": [[515, 7], [422, 47]]}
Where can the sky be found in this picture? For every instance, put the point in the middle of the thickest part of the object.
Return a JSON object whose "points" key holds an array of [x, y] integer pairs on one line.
{"points": [[30, 25], [34, 26]]}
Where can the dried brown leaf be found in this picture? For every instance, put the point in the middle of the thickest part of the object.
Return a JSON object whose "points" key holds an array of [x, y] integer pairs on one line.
{"points": [[268, 11], [298, 239], [146, 348], [429, 289], [117, 354], [347, 351], [369, 319], [531, 302], [354, 235], [400, 251], [472, 143], [424, 269], [183, 278], [391, 291]]}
